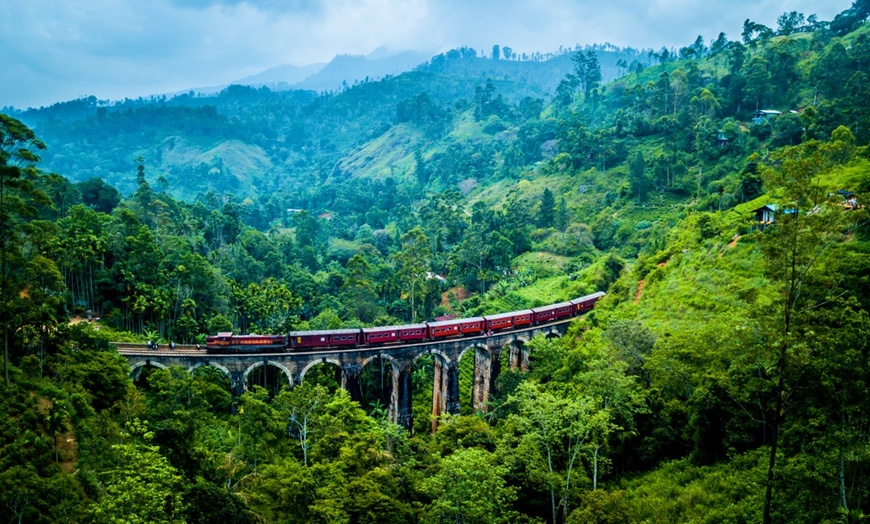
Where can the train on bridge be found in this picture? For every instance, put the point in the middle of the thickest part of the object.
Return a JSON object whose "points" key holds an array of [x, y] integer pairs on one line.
{"points": [[410, 333]]}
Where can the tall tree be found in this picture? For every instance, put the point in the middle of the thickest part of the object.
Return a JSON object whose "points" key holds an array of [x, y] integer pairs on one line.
{"points": [[547, 209], [587, 70], [413, 265], [18, 203], [795, 252]]}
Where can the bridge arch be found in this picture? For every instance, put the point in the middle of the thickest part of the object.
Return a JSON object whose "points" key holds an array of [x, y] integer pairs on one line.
{"points": [[325, 360], [475, 346], [263, 363], [366, 361], [522, 338], [436, 353], [145, 363], [551, 332], [198, 365]]}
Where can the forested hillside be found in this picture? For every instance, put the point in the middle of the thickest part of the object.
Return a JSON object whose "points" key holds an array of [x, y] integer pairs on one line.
{"points": [[722, 379]]}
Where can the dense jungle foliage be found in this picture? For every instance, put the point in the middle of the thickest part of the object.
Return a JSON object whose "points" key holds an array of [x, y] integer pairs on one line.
{"points": [[724, 377]]}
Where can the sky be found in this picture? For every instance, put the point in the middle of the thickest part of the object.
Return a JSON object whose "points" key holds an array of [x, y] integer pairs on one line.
{"points": [[59, 50]]}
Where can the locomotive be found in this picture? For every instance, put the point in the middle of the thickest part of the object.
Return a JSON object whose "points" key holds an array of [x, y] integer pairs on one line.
{"points": [[409, 333]]}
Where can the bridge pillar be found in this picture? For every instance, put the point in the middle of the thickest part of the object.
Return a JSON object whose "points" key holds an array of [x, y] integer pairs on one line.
{"points": [[495, 370], [482, 375], [439, 392], [453, 388], [514, 357], [237, 380], [400, 398], [350, 381]]}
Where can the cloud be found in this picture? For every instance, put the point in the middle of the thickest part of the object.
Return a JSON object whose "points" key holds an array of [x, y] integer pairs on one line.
{"points": [[281, 6], [55, 51]]}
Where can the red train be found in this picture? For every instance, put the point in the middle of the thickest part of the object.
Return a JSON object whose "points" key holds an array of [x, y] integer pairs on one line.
{"points": [[385, 335]]}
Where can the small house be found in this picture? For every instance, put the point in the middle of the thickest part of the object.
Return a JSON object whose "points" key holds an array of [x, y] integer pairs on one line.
{"points": [[766, 214], [763, 114], [722, 139]]}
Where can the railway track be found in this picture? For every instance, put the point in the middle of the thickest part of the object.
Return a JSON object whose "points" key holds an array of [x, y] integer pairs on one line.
{"points": [[163, 350]]}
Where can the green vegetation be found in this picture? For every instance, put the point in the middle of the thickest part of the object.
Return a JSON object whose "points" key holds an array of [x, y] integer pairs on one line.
{"points": [[722, 379]]}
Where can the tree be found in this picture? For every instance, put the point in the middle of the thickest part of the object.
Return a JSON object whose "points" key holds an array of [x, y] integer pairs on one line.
{"points": [[358, 290], [420, 169], [301, 406], [142, 488], [795, 253], [413, 263], [206, 503], [469, 489], [587, 71], [637, 176], [99, 195], [20, 492], [679, 89], [56, 422], [18, 202], [601, 375], [547, 209], [719, 44], [552, 429], [260, 428], [788, 23]]}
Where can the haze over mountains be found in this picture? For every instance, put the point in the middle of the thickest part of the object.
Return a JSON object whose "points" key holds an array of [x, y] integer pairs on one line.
{"points": [[341, 70], [287, 124], [117, 50]]}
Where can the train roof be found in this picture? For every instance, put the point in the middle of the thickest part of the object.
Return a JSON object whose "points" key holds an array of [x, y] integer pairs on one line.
{"points": [[393, 328], [553, 306], [454, 322], [511, 314], [597, 294], [324, 332]]}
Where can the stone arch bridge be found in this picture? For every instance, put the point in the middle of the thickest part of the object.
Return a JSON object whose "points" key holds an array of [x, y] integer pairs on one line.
{"points": [[488, 351]]}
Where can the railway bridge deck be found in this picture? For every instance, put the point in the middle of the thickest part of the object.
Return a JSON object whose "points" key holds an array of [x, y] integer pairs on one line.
{"points": [[488, 351]]}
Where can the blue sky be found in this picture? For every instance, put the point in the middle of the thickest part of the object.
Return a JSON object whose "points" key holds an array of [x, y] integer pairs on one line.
{"points": [[57, 50]]}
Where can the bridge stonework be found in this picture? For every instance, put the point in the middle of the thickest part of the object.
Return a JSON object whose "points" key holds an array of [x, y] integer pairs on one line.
{"points": [[446, 355]]}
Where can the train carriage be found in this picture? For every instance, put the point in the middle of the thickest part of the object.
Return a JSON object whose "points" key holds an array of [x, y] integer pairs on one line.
{"points": [[553, 312], [499, 321], [584, 304], [523, 318], [413, 332], [328, 338], [226, 342], [444, 328], [472, 326], [377, 336]]}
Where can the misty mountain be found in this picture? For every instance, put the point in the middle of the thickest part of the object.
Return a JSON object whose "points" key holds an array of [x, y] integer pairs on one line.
{"points": [[341, 72], [281, 75], [346, 70]]}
